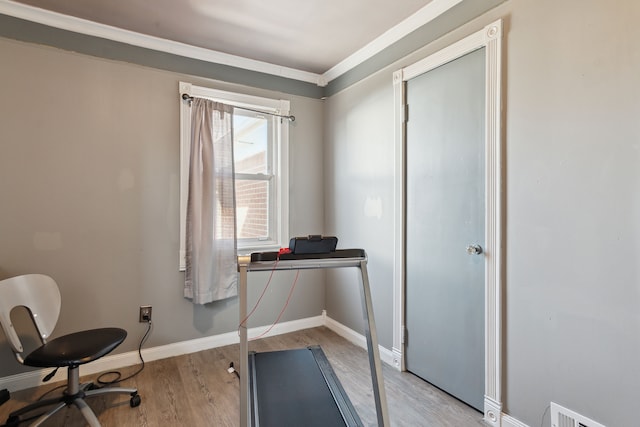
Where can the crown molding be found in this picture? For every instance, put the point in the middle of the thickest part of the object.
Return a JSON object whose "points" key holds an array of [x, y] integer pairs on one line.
{"points": [[423, 16], [83, 26], [78, 25]]}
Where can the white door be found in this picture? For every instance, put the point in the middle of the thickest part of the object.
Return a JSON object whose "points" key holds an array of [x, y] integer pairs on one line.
{"points": [[445, 217]]}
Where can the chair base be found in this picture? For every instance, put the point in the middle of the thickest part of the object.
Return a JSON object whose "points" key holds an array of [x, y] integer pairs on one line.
{"points": [[75, 396]]}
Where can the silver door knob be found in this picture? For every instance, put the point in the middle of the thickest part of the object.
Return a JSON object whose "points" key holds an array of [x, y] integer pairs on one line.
{"points": [[474, 249]]}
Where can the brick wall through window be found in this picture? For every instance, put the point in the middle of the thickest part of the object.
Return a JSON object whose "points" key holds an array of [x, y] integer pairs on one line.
{"points": [[251, 199]]}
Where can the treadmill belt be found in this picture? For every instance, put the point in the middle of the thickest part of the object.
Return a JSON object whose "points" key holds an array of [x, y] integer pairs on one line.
{"points": [[294, 388]]}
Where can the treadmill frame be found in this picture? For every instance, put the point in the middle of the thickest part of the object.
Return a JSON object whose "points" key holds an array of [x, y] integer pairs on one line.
{"points": [[245, 265]]}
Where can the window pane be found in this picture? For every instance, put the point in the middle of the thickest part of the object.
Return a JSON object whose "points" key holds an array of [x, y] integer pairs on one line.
{"points": [[252, 208], [250, 142]]}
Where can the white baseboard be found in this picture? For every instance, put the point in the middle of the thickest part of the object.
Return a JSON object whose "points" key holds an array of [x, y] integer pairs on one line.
{"points": [[509, 421], [117, 361], [360, 340]]}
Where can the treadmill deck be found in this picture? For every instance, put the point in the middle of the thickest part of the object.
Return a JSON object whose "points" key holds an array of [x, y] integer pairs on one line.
{"points": [[297, 388]]}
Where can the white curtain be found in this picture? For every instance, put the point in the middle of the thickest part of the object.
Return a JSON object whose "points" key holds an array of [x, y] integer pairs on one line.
{"points": [[211, 263]]}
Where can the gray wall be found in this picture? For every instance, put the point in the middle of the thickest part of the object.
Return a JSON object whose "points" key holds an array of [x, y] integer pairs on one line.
{"points": [[572, 283], [95, 204], [89, 169]]}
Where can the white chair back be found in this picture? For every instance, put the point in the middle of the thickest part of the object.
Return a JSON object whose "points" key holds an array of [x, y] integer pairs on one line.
{"points": [[40, 295]]}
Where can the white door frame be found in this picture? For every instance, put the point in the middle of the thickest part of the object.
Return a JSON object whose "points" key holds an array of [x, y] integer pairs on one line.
{"points": [[490, 38]]}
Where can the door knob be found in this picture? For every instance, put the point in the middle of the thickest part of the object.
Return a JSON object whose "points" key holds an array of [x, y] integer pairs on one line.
{"points": [[474, 249]]}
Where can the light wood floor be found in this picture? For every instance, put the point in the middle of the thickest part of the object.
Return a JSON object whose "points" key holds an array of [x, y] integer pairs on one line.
{"points": [[197, 390]]}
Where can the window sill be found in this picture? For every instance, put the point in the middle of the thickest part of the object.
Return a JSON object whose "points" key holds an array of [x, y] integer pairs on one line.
{"points": [[247, 250]]}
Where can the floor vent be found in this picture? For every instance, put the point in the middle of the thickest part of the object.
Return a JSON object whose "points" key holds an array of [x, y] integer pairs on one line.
{"points": [[563, 417]]}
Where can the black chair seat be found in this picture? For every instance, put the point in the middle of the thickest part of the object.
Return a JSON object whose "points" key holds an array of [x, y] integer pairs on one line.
{"points": [[76, 348]]}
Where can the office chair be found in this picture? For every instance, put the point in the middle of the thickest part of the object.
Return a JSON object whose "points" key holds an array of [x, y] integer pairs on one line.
{"points": [[41, 296]]}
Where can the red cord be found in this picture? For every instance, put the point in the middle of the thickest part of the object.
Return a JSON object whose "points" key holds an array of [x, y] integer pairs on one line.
{"points": [[262, 295], [293, 286], [264, 291]]}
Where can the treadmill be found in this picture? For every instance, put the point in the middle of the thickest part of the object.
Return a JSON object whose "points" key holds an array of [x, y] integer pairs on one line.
{"points": [[298, 387]]}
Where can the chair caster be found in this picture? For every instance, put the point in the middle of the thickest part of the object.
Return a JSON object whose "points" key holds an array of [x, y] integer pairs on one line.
{"points": [[135, 400], [13, 421]]}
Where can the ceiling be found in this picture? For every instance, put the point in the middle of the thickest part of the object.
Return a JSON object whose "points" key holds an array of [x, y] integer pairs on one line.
{"points": [[311, 36]]}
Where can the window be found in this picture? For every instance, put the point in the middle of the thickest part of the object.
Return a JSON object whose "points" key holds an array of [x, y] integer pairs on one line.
{"points": [[260, 144]]}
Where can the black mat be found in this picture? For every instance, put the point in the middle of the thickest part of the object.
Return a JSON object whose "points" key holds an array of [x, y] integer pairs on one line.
{"points": [[295, 388]]}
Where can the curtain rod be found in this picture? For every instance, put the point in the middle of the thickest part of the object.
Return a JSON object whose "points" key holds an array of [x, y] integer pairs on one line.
{"points": [[189, 98]]}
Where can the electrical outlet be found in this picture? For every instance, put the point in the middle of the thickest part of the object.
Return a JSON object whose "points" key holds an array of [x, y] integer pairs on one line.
{"points": [[145, 314]]}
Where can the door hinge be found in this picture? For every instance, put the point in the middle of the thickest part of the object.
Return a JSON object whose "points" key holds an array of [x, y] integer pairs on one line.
{"points": [[405, 113], [405, 335]]}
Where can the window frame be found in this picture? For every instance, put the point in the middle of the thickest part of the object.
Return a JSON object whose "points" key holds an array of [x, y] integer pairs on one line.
{"points": [[279, 152]]}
